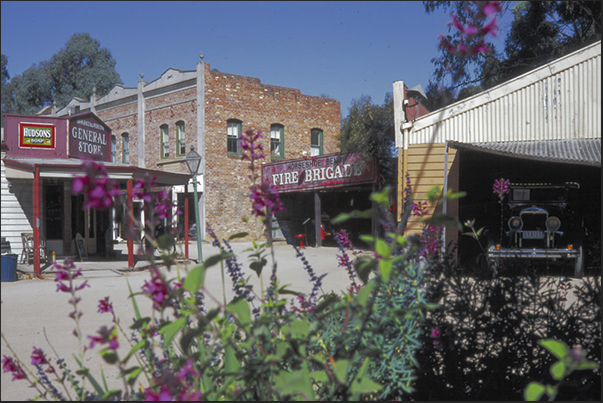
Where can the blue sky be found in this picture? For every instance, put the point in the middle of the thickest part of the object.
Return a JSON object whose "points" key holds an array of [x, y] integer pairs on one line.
{"points": [[340, 49]]}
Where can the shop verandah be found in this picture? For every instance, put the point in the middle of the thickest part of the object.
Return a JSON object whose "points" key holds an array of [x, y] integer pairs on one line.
{"points": [[61, 226]]}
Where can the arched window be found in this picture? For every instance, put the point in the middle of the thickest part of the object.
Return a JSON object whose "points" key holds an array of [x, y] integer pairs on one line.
{"points": [[164, 138], [125, 149], [316, 142], [180, 138], [235, 127], [113, 145], [277, 141]]}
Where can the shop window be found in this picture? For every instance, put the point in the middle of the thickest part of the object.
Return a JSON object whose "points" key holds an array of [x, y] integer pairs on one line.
{"points": [[277, 141], [180, 138], [113, 146], [316, 142], [164, 136], [235, 127], [125, 150]]}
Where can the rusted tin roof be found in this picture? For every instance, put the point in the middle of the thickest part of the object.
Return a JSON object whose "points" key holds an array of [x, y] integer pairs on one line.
{"points": [[576, 151]]}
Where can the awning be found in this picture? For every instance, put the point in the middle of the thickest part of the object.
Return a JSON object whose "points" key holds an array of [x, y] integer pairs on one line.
{"points": [[575, 151], [23, 168]]}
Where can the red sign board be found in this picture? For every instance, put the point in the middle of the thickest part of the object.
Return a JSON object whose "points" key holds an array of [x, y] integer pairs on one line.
{"points": [[324, 171], [89, 138], [37, 135]]}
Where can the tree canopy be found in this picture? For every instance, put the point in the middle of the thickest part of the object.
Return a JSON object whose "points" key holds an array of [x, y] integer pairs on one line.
{"points": [[541, 31], [75, 71], [369, 128]]}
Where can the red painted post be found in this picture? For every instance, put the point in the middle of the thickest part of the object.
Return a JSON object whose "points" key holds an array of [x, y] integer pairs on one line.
{"points": [[130, 207], [36, 222], [186, 227]]}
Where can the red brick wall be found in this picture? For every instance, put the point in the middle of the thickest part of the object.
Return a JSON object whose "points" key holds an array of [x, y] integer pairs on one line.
{"points": [[123, 119], [258, 106], [227, 96]]}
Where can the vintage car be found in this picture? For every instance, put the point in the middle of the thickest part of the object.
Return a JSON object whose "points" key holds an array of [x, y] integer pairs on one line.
{"points": [[542, 223]]}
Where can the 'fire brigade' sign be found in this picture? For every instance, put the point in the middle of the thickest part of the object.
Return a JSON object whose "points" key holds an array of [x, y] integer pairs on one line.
{"points": [[36, 135], [89, 138], [323, 171]]}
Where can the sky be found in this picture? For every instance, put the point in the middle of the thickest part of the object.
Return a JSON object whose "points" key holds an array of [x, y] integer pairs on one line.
{"points": [[338, 49]]}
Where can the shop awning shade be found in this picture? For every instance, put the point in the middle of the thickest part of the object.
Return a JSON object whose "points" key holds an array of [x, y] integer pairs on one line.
{"points": [[23, 168], [574, 151]]}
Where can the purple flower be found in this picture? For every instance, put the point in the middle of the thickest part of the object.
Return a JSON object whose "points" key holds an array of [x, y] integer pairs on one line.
{"points": [[471, 39], [105, 336], [105, 306], [157, 290], [66, 274], [38, 357], [501, 187], [249, 142], [187, 369], [14, 367], [164, 395], [435, 332], [264, 196], [100, 191]]}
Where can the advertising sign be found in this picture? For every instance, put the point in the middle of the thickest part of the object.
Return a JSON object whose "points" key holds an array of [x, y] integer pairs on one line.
{"points": [[37, 135], [324, 171], [89, 138]]}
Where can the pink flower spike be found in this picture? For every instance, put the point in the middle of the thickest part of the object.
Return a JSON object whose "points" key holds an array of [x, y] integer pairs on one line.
{"points": [[491, 7], [470, 30], [491, 28]]}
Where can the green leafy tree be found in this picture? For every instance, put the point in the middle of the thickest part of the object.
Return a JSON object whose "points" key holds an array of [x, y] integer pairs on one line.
{"points": [[541, 31], [369, 128], [6, 88], [75, 71]]}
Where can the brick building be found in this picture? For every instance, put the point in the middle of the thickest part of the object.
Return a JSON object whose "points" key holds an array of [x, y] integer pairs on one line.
{"points": [[155, 124]]}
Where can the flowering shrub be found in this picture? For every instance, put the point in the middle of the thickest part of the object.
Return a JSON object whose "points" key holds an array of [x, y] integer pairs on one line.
{"points": [[257, 346]]}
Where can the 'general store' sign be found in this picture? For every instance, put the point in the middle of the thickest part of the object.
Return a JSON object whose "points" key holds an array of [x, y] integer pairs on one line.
{"points": [[89, 138], [323, 171], [36, 135]]}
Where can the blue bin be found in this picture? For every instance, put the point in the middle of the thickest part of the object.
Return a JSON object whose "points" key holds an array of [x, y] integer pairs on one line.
{"points": [[9, 267]]}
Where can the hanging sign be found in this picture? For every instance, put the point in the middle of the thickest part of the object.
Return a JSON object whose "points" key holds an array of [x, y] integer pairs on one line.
{"points": [[317, 172], [37, 135], [89, 138]]}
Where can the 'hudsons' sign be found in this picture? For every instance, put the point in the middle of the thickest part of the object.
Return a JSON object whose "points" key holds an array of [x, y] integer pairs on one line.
{"points": [[319, 172], [89, 138], [36, 135]]}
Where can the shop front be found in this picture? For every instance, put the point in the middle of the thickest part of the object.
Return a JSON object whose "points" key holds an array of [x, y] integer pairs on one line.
{"points": [[316, 189], [43, 156]]}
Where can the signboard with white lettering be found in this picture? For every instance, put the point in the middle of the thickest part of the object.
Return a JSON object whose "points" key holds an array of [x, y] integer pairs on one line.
{"points": [[324, 171], [89, 138], [37, 135]]}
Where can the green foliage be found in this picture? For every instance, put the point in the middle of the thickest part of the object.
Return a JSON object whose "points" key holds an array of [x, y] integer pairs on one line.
{"points": [[75, 71], [369, 128], [539, 32], [569, 360]]}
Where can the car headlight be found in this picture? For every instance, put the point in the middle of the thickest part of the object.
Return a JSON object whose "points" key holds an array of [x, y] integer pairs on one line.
{"points": [[553, 224], [515, 223]]}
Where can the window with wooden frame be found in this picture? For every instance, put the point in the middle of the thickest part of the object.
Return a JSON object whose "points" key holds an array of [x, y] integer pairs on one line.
{"points": [[180, 139], [164, 138], [277, 141], [316, 142], [125, 148], [234, 129], [113, 147]]}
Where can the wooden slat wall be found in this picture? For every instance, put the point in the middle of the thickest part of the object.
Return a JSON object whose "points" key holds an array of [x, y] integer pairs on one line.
{"points": [[420, 160]]}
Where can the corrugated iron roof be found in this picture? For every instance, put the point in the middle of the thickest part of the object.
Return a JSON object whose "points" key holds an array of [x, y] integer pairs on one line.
{"points": [[575, 151]]}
